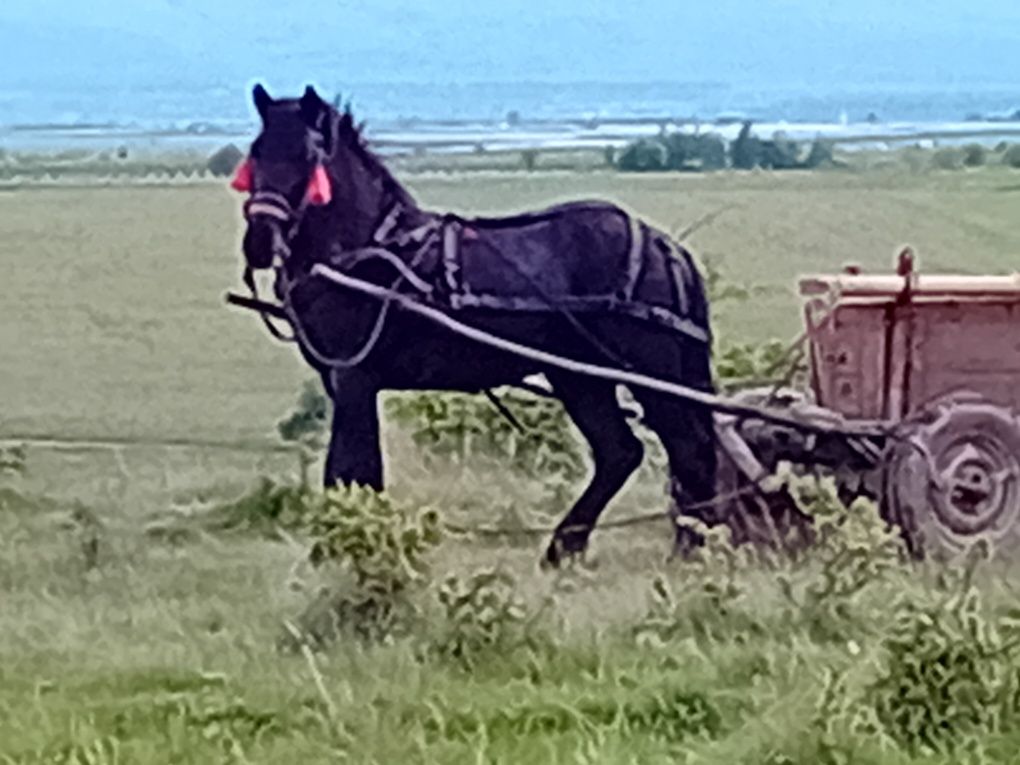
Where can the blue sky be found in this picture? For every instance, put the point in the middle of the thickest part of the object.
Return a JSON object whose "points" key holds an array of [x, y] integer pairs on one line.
{"points": [[78, 43]]}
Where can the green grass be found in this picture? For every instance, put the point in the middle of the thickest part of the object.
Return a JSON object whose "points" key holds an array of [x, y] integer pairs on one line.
{"points": [[124, 641]]}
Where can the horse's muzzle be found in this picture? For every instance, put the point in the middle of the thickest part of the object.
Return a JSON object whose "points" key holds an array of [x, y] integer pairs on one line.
{"points": [[264, 241]]}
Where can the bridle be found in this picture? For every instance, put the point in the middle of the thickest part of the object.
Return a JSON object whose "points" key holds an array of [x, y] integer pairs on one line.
{"points": [[387, 234], [275, 205]]}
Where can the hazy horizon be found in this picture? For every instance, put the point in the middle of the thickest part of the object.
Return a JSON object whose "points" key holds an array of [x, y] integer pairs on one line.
{"points": [[91, 57]]}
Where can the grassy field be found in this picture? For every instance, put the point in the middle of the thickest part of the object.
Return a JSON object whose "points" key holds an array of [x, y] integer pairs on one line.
{"points": [[131, 632]]}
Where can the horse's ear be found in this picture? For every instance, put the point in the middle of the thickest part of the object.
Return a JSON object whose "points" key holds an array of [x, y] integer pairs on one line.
{"points": [[312, 107], [262, 100]]}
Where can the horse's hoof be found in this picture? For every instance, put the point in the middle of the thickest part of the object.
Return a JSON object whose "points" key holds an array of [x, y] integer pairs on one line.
{"points": [[562, 548], [687, 542]]}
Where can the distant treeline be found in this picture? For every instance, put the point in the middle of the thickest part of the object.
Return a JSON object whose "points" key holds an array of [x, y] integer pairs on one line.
{"points": [[709, 151]]}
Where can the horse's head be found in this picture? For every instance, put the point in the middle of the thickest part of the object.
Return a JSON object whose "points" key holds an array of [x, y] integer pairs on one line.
{"points": [[286, 173]]}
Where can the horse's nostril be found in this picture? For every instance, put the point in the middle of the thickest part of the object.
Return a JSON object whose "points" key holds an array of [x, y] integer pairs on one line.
{"points": [[261, 243]]}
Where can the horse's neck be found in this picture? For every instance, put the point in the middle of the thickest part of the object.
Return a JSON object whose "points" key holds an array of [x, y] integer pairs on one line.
{"points": [[381, 216]]}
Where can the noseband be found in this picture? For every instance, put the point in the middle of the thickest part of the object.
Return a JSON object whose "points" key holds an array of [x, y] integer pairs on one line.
{"points": [[272, 204]]}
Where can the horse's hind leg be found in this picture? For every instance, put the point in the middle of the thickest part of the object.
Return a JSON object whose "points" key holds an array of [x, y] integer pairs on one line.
{"points": [[687, 433], [616, 453]]}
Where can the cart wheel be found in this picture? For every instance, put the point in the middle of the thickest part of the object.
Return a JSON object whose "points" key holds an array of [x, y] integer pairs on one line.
{"points": [[955, 478]]}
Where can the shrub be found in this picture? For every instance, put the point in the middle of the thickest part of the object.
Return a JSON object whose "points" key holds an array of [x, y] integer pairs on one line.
{"points": [[224, 161], [951, 671], [459, 425], [746, 151], [974, 155], [701, 151], [306, 426], [383, 545], [948, 158], [756, 363], [267, 508], [481, 613], [12, 460], [1011, 156], [855, 549], [779, 153], [646, 154], [381, 541], [820, 155]]}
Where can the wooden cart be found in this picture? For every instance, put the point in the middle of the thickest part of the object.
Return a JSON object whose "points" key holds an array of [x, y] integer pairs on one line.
{"points": [[939, 357]]}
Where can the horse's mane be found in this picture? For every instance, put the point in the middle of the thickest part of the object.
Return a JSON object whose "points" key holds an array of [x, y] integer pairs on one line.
{"points": [[352, 135]]}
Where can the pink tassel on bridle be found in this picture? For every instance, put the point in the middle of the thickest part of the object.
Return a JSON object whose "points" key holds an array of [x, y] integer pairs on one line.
{"points": [[242, 177], [320, 192]]}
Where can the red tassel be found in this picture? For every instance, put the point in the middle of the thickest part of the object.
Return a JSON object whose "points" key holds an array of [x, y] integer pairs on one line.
{"points": [[242, 178], [319, 190]]}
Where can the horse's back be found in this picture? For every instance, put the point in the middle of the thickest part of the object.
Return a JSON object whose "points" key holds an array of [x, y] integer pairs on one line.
{"points": [[578, 256]]}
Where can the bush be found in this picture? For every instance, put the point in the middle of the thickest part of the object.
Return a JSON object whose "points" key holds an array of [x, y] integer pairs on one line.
{"points": [[383, 545], [951, 671], [12, 460], [1011, 157], [746, 150], [974, 155], [224, 161], [458, 425], [702, 151], [820, 155], [780, 153], [482, 614], [949, 158], [646, 154]]}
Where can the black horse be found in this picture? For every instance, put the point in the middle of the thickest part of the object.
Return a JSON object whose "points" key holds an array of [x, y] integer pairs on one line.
{"points": [[582, 280]]}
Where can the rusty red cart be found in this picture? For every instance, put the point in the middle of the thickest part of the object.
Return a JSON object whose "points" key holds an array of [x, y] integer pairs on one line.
{"points": [[940, 356]]}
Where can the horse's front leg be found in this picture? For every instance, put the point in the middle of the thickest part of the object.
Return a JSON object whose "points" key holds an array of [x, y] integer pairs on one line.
{"points": [[355, 454]]}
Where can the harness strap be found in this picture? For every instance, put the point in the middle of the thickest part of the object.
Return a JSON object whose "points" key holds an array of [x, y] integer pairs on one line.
{"points": [[249, 281]]}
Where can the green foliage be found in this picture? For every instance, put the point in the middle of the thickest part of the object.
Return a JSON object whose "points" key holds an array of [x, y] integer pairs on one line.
{"points": [[1011, 156], [948, 158], [266, 509], [743, 364], [454, 425], [381, 542], [669, 715], [12, 460], [712, 606], [698, 151], [951, 670], [224, 161], [482, 614], [854, 549], [674, 151], [382, 545], [974, 155], [746, 151], [779, 153], [306, 426], [820, 155], [644, 155]]}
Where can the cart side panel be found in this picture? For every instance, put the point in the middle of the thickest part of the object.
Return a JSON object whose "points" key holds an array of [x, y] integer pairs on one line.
{"points": [[849, 359], [968, 345]]}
